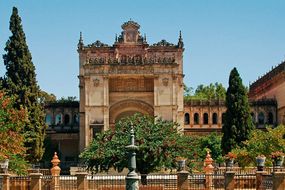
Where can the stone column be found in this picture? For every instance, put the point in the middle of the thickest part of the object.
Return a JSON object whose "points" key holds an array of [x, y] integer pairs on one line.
{"points": [[209, 170], [278, 180], [36, 181], [155, 94], [55, 172], [182, 180], [106, 102], [259, 179], [6, 181], [82, 181], [229, 180]]}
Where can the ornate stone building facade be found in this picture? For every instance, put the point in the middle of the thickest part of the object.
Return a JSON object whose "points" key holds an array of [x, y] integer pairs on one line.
{"points": [[204, 117], [132, 76], [63, 131], [271, 85], [129, 76]]}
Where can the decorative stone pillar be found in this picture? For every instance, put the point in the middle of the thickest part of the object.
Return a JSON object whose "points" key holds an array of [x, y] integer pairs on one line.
{"points": [[132, 178], [55, 172], [82, 181], [259, 179], [209, 170], [36, 181], [229, 180], [6, 181], [278, 180]]}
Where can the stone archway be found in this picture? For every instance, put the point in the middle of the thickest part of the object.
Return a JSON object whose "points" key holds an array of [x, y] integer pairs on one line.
{"points": [[127, 108]]}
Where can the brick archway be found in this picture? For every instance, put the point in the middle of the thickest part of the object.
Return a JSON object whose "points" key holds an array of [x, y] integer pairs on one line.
{"points": [[128, 107]]}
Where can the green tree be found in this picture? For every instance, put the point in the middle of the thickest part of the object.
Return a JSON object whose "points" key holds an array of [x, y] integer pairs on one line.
{"points": [[11, 138], [261, 143], [209, 92], [20, 81], [238, 121], [45, 98], [159, 144]]}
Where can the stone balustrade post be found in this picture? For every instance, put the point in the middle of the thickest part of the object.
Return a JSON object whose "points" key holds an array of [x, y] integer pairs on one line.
{"points": [[82, 181], [182, 180], [278, 180], [36, 181], [259, 179], [55, 172], [229, 180], [209, 170], [5, 181]]}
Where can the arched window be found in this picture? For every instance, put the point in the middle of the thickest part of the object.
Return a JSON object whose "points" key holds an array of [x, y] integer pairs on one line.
{"points": [[205, 119], [58, 119], [48, 119], [186, 119], [270, 118], [66, 119], [215, 118], [261, 118], [196, 118], [253, 117], [76, 119], [223, 118]]}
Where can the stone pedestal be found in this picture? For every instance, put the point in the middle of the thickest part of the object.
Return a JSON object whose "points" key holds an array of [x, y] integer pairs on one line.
{"points": [[259, 179], [182, 180], [229, 180], [82, 181], [278, 180], [36, 181], [6, 181]]}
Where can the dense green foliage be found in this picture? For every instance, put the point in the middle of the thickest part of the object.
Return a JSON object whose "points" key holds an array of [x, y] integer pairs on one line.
{"points": [[20, 81], [238, 121], [198, 147], [158, 141], [210, 92], [11, 138], [261, 143], [45, 98]]}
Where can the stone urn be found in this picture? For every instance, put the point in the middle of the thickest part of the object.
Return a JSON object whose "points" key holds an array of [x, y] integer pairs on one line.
{"points": [[230, 163], [4, 164], [260, 162], [278, 162], [181, 162]]}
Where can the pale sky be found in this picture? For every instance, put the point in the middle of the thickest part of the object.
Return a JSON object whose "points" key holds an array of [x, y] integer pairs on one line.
{"points": [[218, 35]]}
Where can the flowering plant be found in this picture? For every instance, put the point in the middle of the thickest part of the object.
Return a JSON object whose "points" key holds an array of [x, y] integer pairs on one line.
{"points": [[277, 155], [261, 156], [230, 156]]}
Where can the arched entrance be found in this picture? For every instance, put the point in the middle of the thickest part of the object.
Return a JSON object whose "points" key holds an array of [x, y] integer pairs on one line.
{"points": [[127, 108]]}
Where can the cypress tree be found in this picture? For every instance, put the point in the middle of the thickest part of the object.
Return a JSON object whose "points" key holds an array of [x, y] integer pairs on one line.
{"points": [[238, 122], [20, 81]]}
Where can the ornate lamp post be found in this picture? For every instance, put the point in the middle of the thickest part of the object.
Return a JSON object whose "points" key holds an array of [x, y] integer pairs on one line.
{"points": [[132, 178]]}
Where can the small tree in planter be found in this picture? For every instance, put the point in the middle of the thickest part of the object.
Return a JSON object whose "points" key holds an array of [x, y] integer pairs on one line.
{"points": [[229, 158], [278, 158]]}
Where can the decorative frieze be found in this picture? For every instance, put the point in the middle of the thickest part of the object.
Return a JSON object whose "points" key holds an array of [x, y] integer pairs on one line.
{"points": [[131, 60]]}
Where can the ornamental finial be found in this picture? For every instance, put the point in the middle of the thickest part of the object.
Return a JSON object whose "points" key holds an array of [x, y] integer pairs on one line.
{"points": [[80, 42], [180, 40], [144, 38], [116, 38]]}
